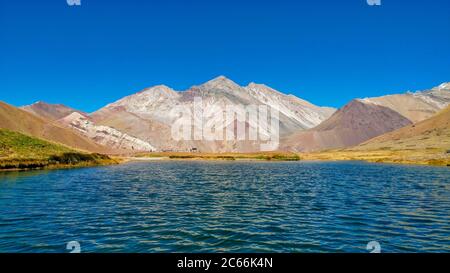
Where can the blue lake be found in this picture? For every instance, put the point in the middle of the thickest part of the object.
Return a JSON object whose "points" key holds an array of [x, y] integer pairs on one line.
{"points": [[199, 206]]}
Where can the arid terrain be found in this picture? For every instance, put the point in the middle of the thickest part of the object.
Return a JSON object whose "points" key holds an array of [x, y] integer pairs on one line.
{"points": [[355, 123], [411, 127], [426, 142]]}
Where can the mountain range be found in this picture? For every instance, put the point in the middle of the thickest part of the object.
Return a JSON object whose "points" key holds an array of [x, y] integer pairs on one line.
{"points": [[364, 119], [142, 122], [148, 114]]}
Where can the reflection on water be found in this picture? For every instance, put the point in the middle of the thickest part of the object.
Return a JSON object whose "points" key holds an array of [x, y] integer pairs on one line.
{"points": [[227, 207]]}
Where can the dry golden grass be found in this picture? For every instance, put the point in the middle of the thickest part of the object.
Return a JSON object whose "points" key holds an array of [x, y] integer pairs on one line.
{"points": [[437, 157]]}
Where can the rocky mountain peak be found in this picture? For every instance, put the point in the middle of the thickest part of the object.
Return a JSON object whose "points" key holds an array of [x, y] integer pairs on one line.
{"points": [[354, 103], [49, 111], [221, 82], [255, 85], [262, 88], [159, 89], [43, 104], [445, 85], [146, 98], [75, 116], [39, 102]]}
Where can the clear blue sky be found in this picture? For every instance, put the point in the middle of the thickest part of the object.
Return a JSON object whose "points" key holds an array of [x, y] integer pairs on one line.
{"points": [[325, 51]]}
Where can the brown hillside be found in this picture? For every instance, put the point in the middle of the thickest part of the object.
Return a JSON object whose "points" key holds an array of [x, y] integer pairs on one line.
{"points": [[15, 119], [50, 111], [430, 133], [349, 126]]}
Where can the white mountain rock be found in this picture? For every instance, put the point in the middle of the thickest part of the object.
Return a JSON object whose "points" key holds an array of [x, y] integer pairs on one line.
{"points": [[153, 108], [104, 135]]}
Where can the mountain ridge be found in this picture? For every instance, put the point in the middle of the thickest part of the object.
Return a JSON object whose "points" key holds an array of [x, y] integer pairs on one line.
{"points": [[50, 111], [418, 105]]}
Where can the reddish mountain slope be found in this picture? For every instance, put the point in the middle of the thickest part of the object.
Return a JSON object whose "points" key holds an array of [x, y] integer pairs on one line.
{"points": [[50, 111], [430, 133], [349, 126]]}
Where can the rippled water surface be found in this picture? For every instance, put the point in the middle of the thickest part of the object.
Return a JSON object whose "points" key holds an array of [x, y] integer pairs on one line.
{"points": [[227, 207]]}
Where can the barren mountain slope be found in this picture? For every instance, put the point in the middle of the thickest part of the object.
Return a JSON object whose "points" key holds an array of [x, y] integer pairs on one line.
{"points": [[104, 135], [351, 125], [150, 113], [432, 133], [50, 111]]}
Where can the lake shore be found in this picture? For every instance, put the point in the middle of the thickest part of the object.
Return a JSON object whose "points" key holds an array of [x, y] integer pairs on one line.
{"points": [[22, 152], [411, 157], [262, 156], [23, 164], [433, 157]]}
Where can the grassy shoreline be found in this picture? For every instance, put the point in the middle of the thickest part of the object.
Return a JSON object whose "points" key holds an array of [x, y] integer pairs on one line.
{"points": [[21, 152], [24, 164]]}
